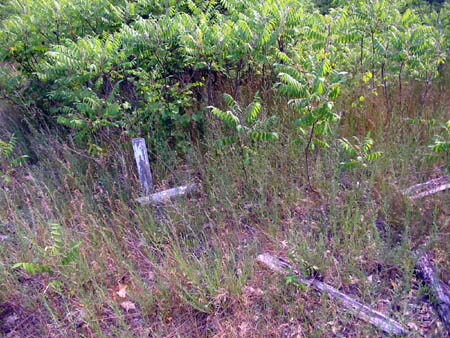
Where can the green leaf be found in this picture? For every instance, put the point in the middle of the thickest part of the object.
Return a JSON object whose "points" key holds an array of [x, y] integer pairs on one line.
{"points": [[367, 145], [227, 141], [253, 112], [227, 117], [374, 156], [263, 136], [320, 143], [71, 254], [292, 87], [231, 102], [335, 91]]}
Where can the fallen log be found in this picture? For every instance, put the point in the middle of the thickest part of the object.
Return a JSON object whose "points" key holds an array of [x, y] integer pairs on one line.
{"points": [[440, 296], [427, 188], [168, 195], [434, 182], [431, 191], [360, 310]]}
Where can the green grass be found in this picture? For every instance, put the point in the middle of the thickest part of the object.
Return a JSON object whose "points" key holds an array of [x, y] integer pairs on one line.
{"points": [[190, 270]]}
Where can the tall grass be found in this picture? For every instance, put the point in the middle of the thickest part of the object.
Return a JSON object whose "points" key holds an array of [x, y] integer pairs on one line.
{"points": [[188, 269]]}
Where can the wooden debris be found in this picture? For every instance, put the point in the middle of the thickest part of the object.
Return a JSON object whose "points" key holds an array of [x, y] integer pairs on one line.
{"points": [[441, 297], [428, 188], [168, 195], [143, 165], [431, 191], [360, 310], [145, 176]]}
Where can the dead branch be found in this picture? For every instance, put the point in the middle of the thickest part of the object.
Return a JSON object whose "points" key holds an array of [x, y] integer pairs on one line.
{"points": [[358, 309]]}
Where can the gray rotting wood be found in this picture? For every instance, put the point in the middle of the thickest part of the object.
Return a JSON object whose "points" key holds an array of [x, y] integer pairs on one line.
{"points": [[143, 165], [431, 191], [145, 176], [440, 296], [360, 310], [168, 195], [428, 188]]}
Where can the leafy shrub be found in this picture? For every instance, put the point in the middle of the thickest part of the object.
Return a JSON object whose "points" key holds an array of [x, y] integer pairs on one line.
{"points": [[149, 68], [244, 126], [312, 91]]}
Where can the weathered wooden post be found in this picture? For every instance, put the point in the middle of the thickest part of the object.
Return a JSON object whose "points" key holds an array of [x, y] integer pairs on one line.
{"points": [[145, 176], [143, 165]]}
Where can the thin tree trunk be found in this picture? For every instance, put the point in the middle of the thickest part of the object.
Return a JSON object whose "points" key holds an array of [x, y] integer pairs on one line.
{"points": [[400, 86], [311, 134], [237, 81]]}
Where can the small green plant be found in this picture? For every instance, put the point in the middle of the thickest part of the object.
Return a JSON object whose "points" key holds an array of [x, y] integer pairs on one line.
{"points": [[304, 268], [244, 126], [54, 254], [7, 160], [441, 145], [360, 151], [292, 279]]}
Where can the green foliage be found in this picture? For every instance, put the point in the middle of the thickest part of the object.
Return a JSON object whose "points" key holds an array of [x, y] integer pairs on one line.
{"points": [[360, 152], [150, 68], [312, 92], [32, 268], [292, 279], [55, 254], [243, 124], [246, 129], [31, 26], [441, 145], [7, 160]]}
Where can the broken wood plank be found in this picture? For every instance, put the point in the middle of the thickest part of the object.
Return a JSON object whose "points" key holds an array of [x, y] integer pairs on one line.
{"points": [[440, 296], [431, 191], [143, 165], [428, 188], [431, 183], [168, 195], [360, 310]]}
